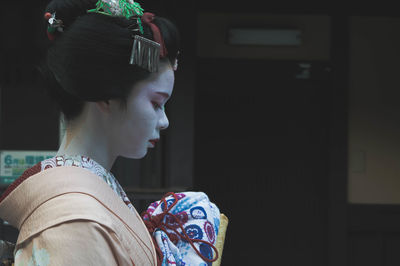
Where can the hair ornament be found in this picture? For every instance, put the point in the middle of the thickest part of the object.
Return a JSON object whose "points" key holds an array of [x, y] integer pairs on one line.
{"points": [[145, 53], [54, 25], [124, 8], [148, 19], [175, 66]]}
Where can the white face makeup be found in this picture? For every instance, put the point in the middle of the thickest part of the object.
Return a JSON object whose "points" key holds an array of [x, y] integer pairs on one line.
{"points": [[145, 115]]}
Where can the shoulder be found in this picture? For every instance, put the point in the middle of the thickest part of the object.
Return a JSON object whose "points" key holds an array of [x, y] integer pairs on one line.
{"points": [[66, 208], [76, 242], [81, 221]]}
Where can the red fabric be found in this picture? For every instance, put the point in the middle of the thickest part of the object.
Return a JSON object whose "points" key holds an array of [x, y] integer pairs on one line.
{"points": [[50, 36], [148, 18]]}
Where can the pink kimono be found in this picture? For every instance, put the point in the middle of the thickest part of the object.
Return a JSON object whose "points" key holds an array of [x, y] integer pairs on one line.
{"points": [[69, 216]]}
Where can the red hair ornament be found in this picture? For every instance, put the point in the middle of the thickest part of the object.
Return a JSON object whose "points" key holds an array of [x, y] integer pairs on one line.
{"points": [[146, 53], [54, 25], [148, 18]]}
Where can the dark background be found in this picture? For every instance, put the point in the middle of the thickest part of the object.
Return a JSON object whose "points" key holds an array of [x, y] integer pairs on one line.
{"points": [[268, 148]]}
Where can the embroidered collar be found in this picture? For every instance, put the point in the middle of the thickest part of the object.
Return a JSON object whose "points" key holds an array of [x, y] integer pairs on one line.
{"points": [[91, 165], [83, 162], [73, 160]]}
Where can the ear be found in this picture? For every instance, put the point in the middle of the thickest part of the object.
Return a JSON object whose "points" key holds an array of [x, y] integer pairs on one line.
{"points": [[104, 106]]}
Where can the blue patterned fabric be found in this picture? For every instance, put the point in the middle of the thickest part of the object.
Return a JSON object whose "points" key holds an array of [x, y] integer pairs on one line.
{"points": [[199, 219]]}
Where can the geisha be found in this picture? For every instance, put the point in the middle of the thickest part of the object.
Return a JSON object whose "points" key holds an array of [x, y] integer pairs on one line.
{"points": [[110, 68]]}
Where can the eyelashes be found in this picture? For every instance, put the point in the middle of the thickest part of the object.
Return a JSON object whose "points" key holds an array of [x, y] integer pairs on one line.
{"points": [[157, 106]]}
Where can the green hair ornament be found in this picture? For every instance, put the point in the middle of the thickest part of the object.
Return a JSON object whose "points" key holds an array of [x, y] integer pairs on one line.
{"points": [[125, 8], [145, 52]]}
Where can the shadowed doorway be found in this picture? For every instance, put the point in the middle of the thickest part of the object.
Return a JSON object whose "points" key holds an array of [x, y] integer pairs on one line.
{"points": [[262, 153]]}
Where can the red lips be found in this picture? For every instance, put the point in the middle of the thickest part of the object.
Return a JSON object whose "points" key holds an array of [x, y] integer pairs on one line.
{"points": [[154, 141]]}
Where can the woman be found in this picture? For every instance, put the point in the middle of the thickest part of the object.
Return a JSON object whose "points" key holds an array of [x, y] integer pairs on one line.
{"points": [[110, 67]]}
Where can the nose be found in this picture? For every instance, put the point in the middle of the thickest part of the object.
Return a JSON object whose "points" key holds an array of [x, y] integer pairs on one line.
{"points": [[164, 122]]}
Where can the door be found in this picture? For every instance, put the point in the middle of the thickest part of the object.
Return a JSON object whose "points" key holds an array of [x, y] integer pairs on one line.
{"points": [[262, 155]]}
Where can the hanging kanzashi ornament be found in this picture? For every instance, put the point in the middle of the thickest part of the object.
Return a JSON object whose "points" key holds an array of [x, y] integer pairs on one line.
{"points": [[124, 8], [145, 52]]}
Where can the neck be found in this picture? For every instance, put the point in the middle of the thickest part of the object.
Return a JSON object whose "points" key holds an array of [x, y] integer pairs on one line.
{"points": [[86, 138]]}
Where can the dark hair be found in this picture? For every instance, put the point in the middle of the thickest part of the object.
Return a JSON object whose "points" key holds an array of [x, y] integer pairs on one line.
{"points": [[89, 60]]}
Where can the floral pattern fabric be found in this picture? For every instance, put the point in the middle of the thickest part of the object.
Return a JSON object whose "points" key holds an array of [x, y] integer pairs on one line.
{"points": [[199, 219]]}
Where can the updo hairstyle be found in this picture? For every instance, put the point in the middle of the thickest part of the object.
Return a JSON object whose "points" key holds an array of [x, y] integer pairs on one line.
{"points": [[89, 60]]}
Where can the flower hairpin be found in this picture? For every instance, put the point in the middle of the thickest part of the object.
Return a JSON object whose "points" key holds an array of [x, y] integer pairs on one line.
{"points": [[125, 8], [145, 53], [54, 24]]}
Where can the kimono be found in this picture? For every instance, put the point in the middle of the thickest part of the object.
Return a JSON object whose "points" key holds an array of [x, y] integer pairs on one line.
{"points": [[69, 216], [78, 214]]}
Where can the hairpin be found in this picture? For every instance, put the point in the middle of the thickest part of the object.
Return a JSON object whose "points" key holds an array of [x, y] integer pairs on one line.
{"points": [[145, 53], [54, 25], [175, 66], [125, 8]]}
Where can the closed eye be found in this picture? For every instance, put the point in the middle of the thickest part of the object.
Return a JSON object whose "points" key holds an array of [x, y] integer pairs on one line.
{"points": [[156, 106]]}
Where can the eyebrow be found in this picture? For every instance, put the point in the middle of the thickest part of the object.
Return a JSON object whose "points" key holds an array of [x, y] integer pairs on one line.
{"points": [[166, 95]]}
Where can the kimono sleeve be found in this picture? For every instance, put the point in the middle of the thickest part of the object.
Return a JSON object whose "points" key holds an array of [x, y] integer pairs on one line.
{"points": [[73, 243]]}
